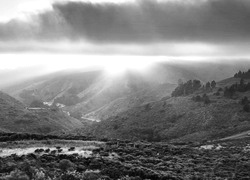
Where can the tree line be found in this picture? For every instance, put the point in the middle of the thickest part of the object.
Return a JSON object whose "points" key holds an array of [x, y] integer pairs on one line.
{"points": [[241, 74], [191, 86], [241, 87]]}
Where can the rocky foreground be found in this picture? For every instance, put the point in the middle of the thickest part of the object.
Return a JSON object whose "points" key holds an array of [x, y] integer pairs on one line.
{"points": [[133, 161]]}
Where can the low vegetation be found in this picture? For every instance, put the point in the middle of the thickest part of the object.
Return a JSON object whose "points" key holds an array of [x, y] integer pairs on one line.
{"points": [[128, 160]]}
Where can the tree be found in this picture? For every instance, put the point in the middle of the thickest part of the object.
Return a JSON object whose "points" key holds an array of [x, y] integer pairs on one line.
{"points": [[206, 99], [243, 74], [239, 74], [242, 82], [189, 87], [246, 108], [244, 101], [248, 86], [196, 84], [213, 84], [208, 85], [242, 86]]}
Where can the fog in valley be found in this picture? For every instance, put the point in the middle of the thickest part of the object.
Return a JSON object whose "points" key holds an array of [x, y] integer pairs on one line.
{"points": [[124, 89]]}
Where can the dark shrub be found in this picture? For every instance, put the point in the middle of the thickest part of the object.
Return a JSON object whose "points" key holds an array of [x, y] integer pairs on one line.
{"points": [[206, 99], [17, 175], [217, 93], [246, 108], [69, 177], [147, 107], [91, 176], [244, 101], [112, 172], [65, 164], [197, 98], [220, 89]]}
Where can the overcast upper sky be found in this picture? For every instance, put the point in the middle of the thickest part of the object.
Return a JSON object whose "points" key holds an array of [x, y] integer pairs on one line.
{"points": [[175, 28]]}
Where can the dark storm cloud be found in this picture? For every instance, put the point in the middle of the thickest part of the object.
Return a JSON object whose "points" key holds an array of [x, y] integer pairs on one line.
{"points": [[139, 22]]}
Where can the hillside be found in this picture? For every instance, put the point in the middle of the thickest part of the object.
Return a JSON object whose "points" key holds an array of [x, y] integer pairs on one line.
{"points": [[111, 96], [95, 94], [48, 88], [179, 118], [15, 117], [133, 100]]}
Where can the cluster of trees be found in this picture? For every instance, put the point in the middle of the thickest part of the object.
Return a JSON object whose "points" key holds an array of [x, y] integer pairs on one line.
{"points": [[204, 99], [245, 103], [242, 87], [241, 74], [191, 86]]}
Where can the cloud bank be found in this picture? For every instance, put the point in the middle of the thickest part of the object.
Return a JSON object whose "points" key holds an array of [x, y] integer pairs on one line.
{"points": [[140, 22]]}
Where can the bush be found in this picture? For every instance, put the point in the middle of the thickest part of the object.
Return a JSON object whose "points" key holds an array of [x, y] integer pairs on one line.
{"points": [[69, 177], [147, 107], [17, 175], [246, 108], [91, 175], [220, 89], [244, 101], [28, 169], [112, 172], [207, 100], [217, 93], [39, 175], [65, 164], [197, 98]]}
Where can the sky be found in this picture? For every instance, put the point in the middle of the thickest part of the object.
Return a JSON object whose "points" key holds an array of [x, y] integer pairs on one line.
{"points": [[211, 30]]}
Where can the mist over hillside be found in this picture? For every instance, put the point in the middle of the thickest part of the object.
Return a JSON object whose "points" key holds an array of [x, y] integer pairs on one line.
{"points": [[124, 90], [171, 70]]}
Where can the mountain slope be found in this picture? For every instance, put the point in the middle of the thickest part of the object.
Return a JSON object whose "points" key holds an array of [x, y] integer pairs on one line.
{"points": [[124, 103], [15, 117], [113, 95], [178, 118], [97, 95]]}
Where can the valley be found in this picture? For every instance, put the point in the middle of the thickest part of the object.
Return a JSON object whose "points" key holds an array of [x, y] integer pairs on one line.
{"points": [[87, 125], [124, 90]]}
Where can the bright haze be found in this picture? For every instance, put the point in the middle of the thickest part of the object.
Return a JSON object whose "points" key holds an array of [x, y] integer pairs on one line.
{"points": [[120, 35]]}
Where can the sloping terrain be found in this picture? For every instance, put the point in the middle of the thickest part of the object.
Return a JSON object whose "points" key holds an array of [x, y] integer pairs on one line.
{"points": [[64, 85], [15, 117], [109, 97], [97, 95], [141, 97], [178, 118]]}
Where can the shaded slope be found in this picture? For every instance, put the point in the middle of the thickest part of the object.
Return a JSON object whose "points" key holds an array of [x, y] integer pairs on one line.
{"points": [[96, 95], [124, 103], [50, 87], [110, 96], [15, 117], [178, 118]]}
